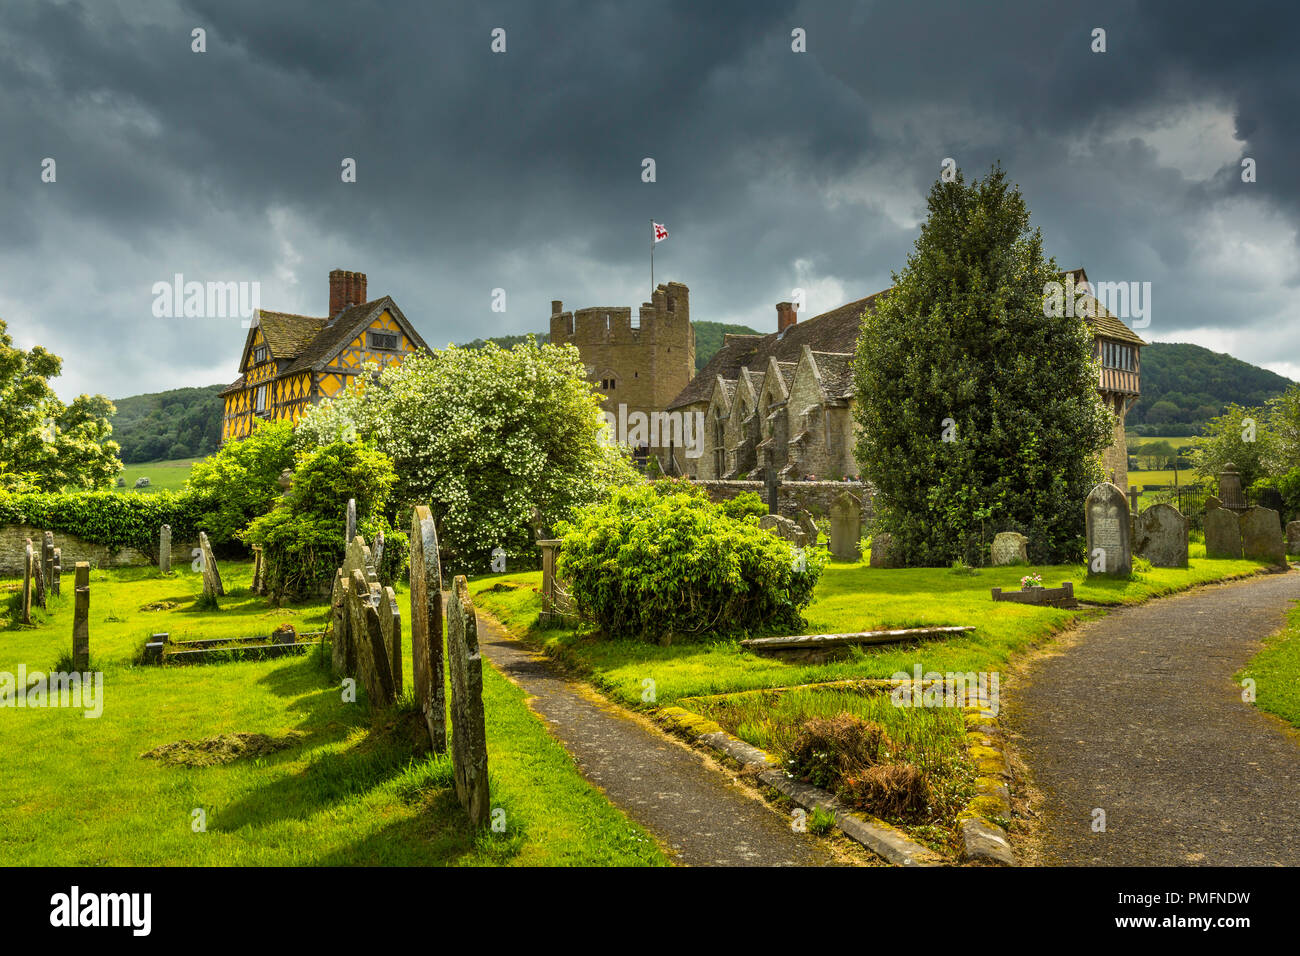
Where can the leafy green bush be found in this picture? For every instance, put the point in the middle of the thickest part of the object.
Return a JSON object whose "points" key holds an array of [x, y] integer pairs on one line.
{"points": [[244, 478], [655, 563], [113, 520], [302, 536], [744, 505]]}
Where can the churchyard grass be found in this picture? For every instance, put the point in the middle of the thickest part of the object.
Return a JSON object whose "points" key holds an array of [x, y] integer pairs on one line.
{"points": [[162, 475], [849, 597], [75, 791], [1276, 672]]}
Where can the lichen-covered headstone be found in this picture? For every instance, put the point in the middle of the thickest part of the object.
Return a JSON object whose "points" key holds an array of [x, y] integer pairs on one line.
{"points": [[81, 618], [38, 577], [211, 574], [57, 564], [165, 549], [29, 560], [1293, 537], [784, 528], [1008, 547], [882, 550], [1261, 536], [469, 756], [47, 557], [343, 652], [807, 525], [367, 633], [426, 626], [378, 551], [1107, 524], [846, 528], [350, 528], [1222, 531], [1160, 536], [390, 626]]}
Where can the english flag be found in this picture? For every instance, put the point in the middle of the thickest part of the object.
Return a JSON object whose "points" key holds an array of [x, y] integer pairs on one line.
{"points": [[660, 232]]}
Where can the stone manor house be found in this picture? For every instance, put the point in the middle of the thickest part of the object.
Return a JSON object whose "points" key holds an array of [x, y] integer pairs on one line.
{"points": [[292, 361], [780, 403]]}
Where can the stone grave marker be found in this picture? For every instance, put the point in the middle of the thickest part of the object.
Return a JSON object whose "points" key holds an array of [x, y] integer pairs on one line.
{"points": [[1107, 524], [468, 733], [808, 525], [165, 549], [783, 528], [426, 626], [882, 549], [350, 528], [390, 626], [47, 557], [378, 550], [259, 570], [1160, 536], [1222, 531], [81, 618], [368, 638], [38, 577], [57, 564], [1230, 494], [1008, 547], [1293, 537], [28, 570], [846, 528], [211, 573], [1261, 536], [343, 651]]}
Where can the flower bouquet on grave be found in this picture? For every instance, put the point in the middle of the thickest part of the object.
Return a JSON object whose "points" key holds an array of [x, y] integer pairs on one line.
{"points": [[1031, 581]]}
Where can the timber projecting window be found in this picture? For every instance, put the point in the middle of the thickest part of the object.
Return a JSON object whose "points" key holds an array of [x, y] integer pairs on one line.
{"points": [[259, 355], [384, 341]]}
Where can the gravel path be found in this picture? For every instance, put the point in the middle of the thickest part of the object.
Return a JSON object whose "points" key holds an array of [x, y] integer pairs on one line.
{"points": [[1138, 715], [695, 811]]}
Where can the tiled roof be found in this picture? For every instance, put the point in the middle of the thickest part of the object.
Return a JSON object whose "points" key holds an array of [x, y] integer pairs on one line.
{"points": [[836, 369], [286, 335], [235, 386], [1102, 321], [337, 333]]}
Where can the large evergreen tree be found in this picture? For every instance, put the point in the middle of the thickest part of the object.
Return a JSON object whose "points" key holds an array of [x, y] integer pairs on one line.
{"points": [[978, 412]]}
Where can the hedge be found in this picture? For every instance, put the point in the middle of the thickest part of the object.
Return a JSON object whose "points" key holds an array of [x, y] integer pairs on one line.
{"points": [[109, 518]]}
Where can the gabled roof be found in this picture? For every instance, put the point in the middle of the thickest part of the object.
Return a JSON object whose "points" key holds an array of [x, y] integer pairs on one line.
{"points": [[1102, 321]]}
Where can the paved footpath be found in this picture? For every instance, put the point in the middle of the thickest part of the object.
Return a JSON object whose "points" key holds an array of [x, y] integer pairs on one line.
{"points": [[1139, 716], [695, 811]]}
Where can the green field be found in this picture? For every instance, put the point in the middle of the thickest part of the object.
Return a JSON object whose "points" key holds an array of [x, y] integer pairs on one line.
{"points": [[76, 791], [1186, 477], [1137, 442], [162, 475]]}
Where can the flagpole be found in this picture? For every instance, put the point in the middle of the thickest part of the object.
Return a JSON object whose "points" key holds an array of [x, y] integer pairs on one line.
{"points": [[652, 260]]}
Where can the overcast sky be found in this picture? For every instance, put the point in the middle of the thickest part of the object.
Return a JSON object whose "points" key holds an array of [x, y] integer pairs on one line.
{"points": [[522, 170]]}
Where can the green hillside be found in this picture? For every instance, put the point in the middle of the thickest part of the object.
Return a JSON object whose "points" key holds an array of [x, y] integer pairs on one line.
{"points": [[182, 423], [1183, 386]]}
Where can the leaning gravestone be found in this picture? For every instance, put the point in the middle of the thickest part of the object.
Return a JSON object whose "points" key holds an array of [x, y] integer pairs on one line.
{"points": [[390, 626], [81, 618], [1222, 531], [882, 549], [846, 528], [211, 574], [1261, 536], [343, 651], [1008, 547], [165, 549], [426, 626], [468, 734], [1107, 524], [1160, 536], [1293, 537], [783, 528], [38, 577], [808, 526], [367, 634]]}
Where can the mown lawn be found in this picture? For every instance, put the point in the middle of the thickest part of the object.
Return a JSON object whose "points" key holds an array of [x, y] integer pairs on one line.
{"points": [[162, 475], [1276, 672], [75, 791], [850, 597]]}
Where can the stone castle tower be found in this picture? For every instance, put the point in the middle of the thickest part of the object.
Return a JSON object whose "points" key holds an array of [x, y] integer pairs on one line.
{"points": [[639, 365]]}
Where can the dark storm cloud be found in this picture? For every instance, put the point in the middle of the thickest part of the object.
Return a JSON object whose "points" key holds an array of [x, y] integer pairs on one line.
{"points": [[522, 170]]}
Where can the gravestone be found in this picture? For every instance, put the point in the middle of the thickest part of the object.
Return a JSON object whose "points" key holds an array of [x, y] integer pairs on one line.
{"points": [[390, 626], [38, 577], [846, 528], [468, 733], [367, 634], [1293, 537], [259, 570], [343, 651], [1160, 536], [808, 526], [28, 570], [783, 528], [81, 618], [47, 557], [57, 564], [773, 491], [1230, 488], [1107, 525], [165, 549], [211, 574], [378, 551], [350, 527], [1008, 547], [1261, 536], [284, 634], [426, 626], [1222, 531], [882, 549]]}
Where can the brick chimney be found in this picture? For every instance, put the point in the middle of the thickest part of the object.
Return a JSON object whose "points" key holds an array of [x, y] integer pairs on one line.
{"points": [[785, 316], [346, 289]]}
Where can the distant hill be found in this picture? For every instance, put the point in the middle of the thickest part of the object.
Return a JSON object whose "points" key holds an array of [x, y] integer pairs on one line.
{"points": [[182, 423], [1184, 386], [708, 339]]}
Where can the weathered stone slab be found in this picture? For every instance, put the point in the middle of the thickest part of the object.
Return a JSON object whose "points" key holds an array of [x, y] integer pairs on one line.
{"points": [[1293, 537], [468, 733], [784, 528], [390, 626], [165, 549], [882, 550], [343, 650], [47, 557], [426, 626], [38, 577], [29, 569], [372, 653], [1230, 488], [377, 552], [1043, 597], [1261, 536], [1110, 550], [1160, 536], [211, 574], [350, 528], [1222, 531], [846, 528], [357, 557], [57, 565], [807, 525], [81, 618], [1008, 547]]}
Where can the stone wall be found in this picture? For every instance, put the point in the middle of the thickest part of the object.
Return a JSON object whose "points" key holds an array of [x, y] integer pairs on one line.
{"points": [[812, 496], [13, 541], [1114, 459]]}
